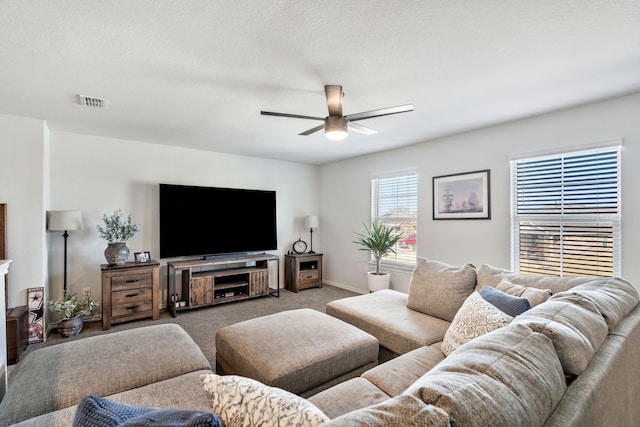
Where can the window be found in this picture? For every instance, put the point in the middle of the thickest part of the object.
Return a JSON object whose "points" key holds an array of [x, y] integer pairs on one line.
{"points": [[566, 214], [395, 204]]}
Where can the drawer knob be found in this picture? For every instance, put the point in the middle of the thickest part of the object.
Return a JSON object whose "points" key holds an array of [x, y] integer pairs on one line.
{"points": [[133, 307], [132, 280], [132, 295]]}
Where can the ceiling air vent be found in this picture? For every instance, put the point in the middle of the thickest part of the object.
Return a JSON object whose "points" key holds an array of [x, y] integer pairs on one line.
{"points": [[93, 102]]}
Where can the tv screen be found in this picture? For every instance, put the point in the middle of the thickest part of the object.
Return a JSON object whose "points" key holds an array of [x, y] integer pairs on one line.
{"points": [[201, 221]]}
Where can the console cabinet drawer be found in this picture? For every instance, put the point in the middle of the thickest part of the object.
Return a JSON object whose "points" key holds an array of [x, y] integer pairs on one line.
{"points": [[128, 281]]}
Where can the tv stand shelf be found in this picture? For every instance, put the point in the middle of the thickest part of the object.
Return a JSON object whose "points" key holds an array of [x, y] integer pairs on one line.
{"points": [[219, 280]]}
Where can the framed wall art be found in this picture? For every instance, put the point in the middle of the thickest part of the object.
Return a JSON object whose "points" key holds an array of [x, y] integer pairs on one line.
{"points": [[462, 196]]}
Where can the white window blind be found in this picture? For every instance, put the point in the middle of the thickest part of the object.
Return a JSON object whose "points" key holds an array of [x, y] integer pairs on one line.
{"points": [[566, 214], [395, 205]]}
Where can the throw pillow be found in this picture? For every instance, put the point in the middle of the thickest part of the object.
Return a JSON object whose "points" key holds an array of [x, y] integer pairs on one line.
{"points": [[476, 317], [439, 289], [241, 401], [97, 411], [510, 304], [534, 295]]}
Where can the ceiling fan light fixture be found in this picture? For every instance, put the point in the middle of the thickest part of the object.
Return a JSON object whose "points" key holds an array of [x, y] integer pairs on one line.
{"points": [[335, 128]]}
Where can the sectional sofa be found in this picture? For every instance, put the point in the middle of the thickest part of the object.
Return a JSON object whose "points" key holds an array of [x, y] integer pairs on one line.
{"points": [[567, 356]]}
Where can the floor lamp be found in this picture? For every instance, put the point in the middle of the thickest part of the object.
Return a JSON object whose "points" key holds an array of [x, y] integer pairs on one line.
{"points": [[311, 222], [64, 221]]}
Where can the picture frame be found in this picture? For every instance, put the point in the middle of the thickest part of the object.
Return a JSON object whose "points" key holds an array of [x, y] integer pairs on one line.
{"points": [[142, 256], [464, 195]]}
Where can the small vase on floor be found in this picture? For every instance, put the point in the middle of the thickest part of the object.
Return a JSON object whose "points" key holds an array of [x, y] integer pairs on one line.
{"points": [[70, 327], [117, 253]]}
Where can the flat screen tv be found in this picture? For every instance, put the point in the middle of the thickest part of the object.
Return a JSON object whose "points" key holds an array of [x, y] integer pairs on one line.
{"points": [[204, 221]]}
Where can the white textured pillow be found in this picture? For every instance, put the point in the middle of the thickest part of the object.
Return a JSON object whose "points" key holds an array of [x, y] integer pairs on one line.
{"points": [[476, 317], [241, 401], [439, 289], [534, 295]]}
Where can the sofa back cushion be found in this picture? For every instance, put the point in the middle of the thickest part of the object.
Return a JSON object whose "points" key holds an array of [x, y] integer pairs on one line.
{"points": [[491, 276], [574, 325], [440, 289], [402, 410], [534, 295], [508, 377], [614, 298]]}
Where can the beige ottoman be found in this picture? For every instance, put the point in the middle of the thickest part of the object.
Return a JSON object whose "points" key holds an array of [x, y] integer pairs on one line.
{"points": [[303, 351]]}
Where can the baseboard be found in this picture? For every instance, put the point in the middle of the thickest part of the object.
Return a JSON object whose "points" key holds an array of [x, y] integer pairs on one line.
{"points": [[348, 288]]}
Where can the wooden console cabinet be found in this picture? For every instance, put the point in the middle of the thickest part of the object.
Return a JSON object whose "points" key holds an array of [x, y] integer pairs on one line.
{"points": [[129, 292], [302, 271], [220, 280]]}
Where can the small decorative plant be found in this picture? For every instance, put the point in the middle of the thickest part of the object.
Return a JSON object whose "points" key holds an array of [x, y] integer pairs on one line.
{"points": [[379, 240], [71, 306], [116, 229]]}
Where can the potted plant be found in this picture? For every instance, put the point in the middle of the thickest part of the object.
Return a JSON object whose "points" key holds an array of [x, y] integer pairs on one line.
{"points": [[70, 308], [116, 232], [380, 241]]}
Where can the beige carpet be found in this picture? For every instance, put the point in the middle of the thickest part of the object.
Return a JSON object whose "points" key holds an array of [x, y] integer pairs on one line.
{"points": [[203, 323]]}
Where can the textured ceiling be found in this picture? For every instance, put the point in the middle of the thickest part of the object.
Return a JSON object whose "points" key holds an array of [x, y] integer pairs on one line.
{"points": [[197, 73]]}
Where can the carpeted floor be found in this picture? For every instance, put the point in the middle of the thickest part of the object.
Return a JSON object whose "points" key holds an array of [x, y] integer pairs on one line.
{"points": [[202, 324]]}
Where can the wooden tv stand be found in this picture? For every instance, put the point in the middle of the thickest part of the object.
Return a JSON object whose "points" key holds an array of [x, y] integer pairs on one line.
{"points": [[219, 280]]}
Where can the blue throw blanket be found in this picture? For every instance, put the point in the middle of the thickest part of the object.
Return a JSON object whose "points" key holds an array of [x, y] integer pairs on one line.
{"points": [[94, 411]]}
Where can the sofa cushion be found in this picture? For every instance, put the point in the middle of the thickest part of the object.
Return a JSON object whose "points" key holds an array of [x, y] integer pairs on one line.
{"points": [[439, 289], [508, 377], [49, 369], [351, 395], [512, 305], [614, 298], [476, 317], [534, 295], [491, 276], [394, 376], [574, 325], [403, 410], [385, 315], [97, 411], [236, 399]]}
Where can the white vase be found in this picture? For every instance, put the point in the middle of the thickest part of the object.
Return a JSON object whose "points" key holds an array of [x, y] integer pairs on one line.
{"points": [[377, 282]]}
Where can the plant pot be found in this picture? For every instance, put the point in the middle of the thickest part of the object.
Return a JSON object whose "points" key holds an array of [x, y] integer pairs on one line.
{"points": [[377, 282], [117, 253], [70, 327]]}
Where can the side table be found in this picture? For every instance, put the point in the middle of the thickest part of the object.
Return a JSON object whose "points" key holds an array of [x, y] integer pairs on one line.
{"points": [[302, 271], [129, 292]]}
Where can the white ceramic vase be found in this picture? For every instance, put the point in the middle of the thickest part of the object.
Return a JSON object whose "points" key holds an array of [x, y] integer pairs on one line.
{"points": [[377, 282]]}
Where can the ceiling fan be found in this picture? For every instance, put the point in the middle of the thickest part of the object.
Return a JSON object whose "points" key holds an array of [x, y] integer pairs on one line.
{"points": [[335, 124]]}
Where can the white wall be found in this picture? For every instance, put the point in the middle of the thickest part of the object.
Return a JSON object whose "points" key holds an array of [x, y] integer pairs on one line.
{"points": [[345, 188], [23, 187], [98, 175]]}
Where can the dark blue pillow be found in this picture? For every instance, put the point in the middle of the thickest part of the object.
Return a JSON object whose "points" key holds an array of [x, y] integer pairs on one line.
{"points": [[509, 304], [96, 411]]}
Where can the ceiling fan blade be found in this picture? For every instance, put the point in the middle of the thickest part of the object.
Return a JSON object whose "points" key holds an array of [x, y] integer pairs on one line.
{"points": [[312, 130], [334, 99], [362, 129], [293, 116], [381, 112]]}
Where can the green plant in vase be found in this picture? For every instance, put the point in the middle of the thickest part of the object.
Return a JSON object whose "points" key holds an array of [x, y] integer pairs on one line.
{"points": [[380, 241], [70, 308], [116, 231]]}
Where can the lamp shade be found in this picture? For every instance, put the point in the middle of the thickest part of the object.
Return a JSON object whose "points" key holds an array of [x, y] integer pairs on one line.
{"points": [[311, 221], [64, 220], [335, 128]]}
